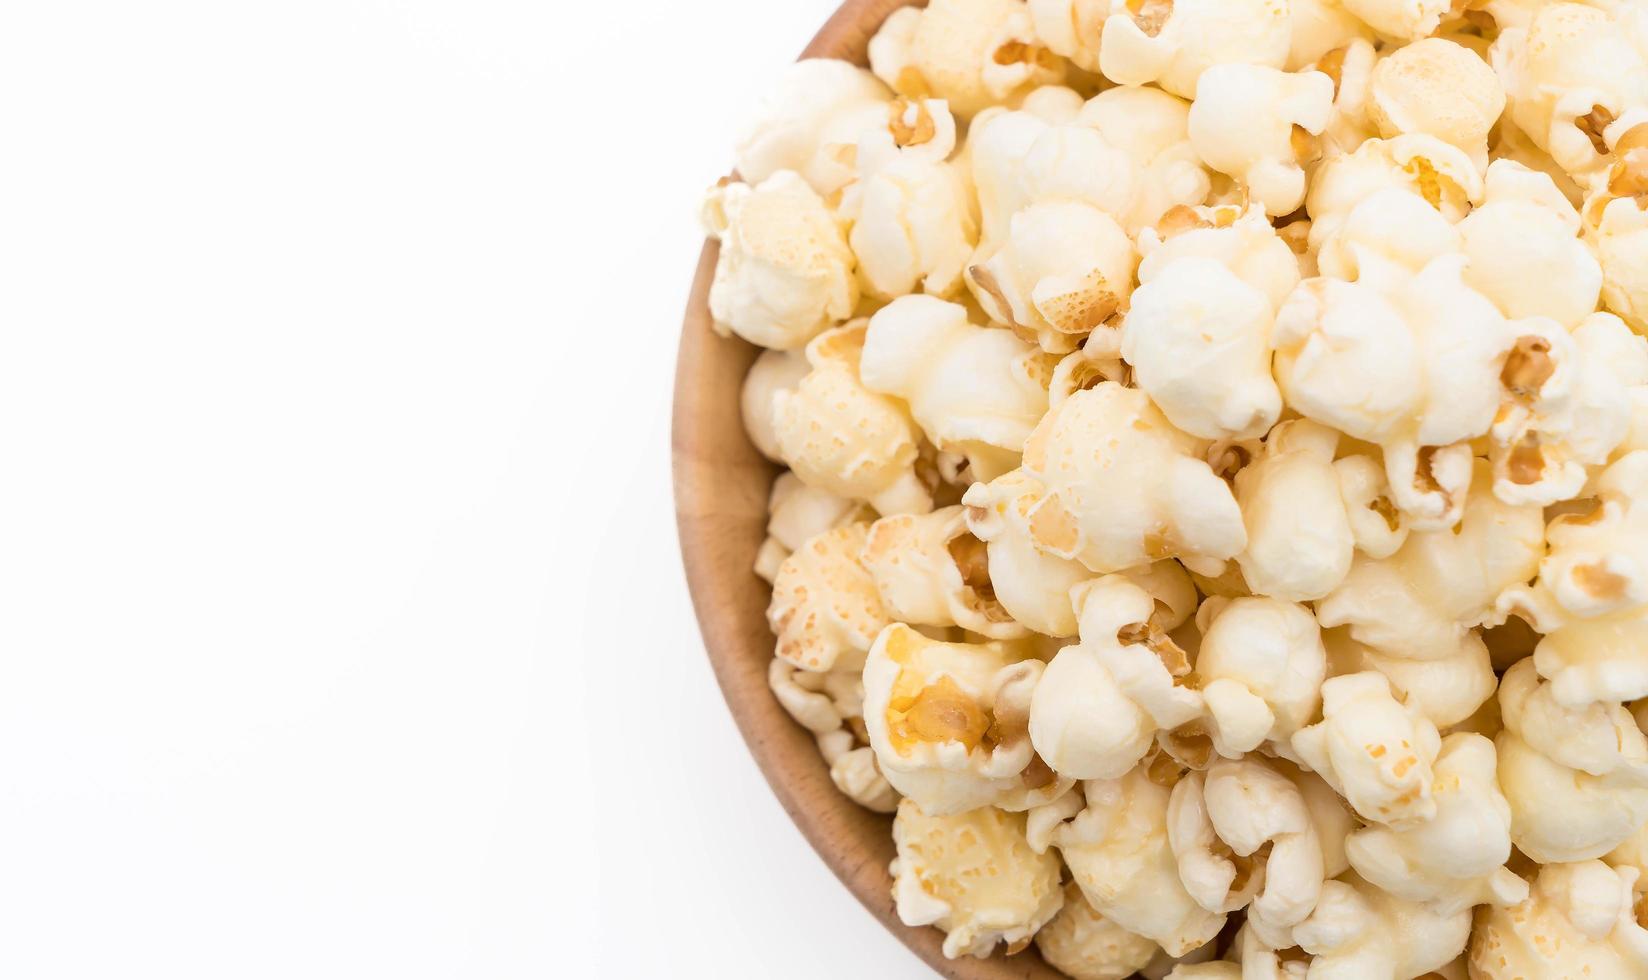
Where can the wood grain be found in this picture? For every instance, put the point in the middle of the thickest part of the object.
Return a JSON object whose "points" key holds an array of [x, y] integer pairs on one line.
{"points": [[721, 486]]}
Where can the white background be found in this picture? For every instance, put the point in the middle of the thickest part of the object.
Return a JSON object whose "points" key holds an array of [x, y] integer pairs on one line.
{"points": [[342, 627]]}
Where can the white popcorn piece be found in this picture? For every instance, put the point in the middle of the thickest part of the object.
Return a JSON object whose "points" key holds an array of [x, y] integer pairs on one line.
{"points": [[857, 776], [1064, 268], [1567, 406], [825, 609], [785, 271], [1419, 603], [1401, 20], [1440, 173], [1616, 227], [1260, 667], [1020, 158], [1576, 778], [1171, 42], [1523, 249], [819, 701], [1350, 66], [839, 436], [1437, 87], [1377, 526], [1391, 232], [973, 876], [949, 723], [1377, 752], [1320, 27], [1569, 76], [1447, 690], [1118, 853], [1300, 538], [1511, 143], [1241, 239], [1146, 495], [975, 391], [1456, 860], [931, 571], [1033, 587], [1153, 129], [1580, 920], [773, 371], [797, 512], [1071, 29], [1198, 339], [1099, 705], [1362, 932], [971, 53], [914, 219], [1084, 945], [810, 122], [1258, 125], [1242, 834]]}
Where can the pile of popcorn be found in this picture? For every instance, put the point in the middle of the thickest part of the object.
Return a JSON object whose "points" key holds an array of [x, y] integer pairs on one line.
{"points": [[1216, 509]]}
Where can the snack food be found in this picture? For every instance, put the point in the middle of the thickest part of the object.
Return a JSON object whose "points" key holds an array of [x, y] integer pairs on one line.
{"points": [[1216, 435]]}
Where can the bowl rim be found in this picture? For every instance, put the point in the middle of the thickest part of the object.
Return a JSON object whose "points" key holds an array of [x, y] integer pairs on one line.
{"points": [[720, 523]]}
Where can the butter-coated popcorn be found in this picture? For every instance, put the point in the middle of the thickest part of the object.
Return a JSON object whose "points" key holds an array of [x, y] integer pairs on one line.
{"points": [[825, 609], [1319, 27], [838, 435], [949, 723], [1448, 690], [1456, 859], [1242, 240], [1403, 20], [1118, 853], [1576, 778], [1440, 173], [1147, 495], [773, 371], [1258, 124], [1616, 227], [973, 876], [1300, 536], [1085, 945], [931, 571], [1071, 28], [974, 390], [796, 512], [1260, 669], [1172, 42], [1360, 932], [1064, 268], [1020, 158], [810, 122], [1153, 129], [1350, 66], [1523, 248], [1034, 587], [785, 271], [971, 53], [1376, 751], [858, 777], [1377, 526], [1580, 920], [1100, 702], [1438, 87]]}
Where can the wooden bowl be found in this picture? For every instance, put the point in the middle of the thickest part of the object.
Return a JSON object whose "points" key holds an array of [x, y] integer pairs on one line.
{"points": [[721, 486]]}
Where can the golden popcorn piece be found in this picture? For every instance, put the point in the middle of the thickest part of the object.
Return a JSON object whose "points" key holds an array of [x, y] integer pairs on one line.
{"points": [[1580, 920], [825, 609]]}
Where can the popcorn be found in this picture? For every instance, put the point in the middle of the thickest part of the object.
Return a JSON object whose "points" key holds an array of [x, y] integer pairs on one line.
{"points": [[1350, 66], [797, 512], [973, 876], [1242, 834], [1070, 29], [810, 122], [1300, 537], [1032, 586], [773, 371], [1440, 173], [825, 609], [1438, 87], [842, 437], [1153, 129], [972, 53], [1579, 921], [1419, 603], [1258, 124], [1576, 778], [1358, 931], [1377, 753], [831, 706], [948, 722], [914, 218], [1447, 690], [1064, 268], [1259, 668], [1569, 75], [1403, 20], [1147, 496], [857, 776], [1567, 406], [785, 272], [1392, 233], [1616, 227], [1171, 42], [1085, 945], [1020, 158], [1198, 339], [975, 391], [1100, 703], [1522, 248], [1456, 860], [931, 571], [1118, 853], [1319, 28]]}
